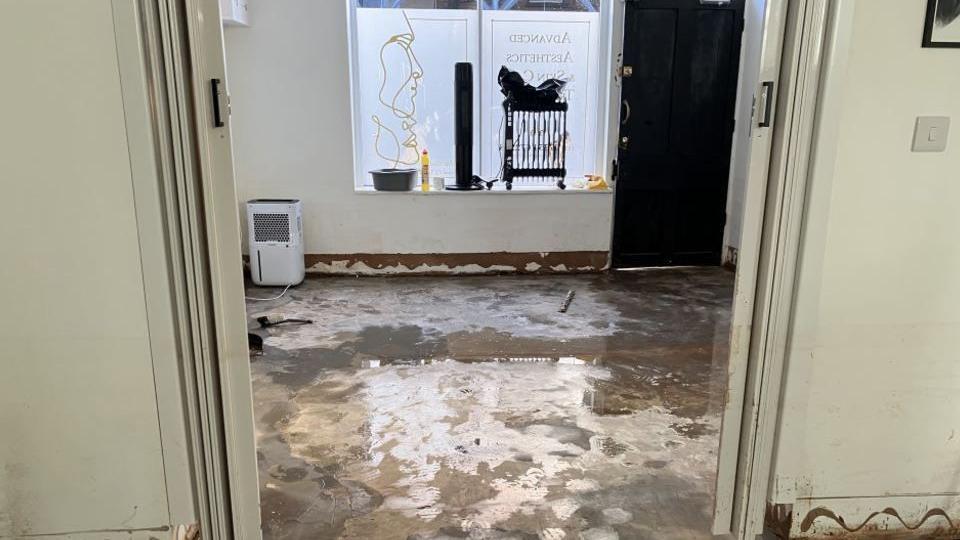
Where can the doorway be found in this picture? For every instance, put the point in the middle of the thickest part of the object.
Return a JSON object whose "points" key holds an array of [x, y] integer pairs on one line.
{"points": [[680, 65], [339, 373]]}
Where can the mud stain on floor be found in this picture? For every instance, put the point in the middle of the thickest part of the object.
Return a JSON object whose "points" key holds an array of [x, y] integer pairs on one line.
{"points": [[433, 408]]}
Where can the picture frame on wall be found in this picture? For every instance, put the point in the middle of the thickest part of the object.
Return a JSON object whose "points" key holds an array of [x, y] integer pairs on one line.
{"points": [[942, 27]]}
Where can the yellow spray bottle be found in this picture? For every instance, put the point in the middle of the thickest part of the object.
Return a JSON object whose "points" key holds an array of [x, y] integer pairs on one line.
{"points": [[425, 171]]}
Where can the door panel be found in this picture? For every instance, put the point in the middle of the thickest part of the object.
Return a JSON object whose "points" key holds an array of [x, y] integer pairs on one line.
{"points": [[648, 123], [705, 105], [676, 131], [85, 440]]}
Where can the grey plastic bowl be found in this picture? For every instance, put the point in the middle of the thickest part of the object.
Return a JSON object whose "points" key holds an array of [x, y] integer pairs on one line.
{"points": [[394, 179]]}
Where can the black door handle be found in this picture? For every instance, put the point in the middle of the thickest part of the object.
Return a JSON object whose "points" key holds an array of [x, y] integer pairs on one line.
{"points": [[215, 92], [767, 94]]}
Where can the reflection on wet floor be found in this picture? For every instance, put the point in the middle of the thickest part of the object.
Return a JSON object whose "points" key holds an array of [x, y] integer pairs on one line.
{"points": [[470, 408]]}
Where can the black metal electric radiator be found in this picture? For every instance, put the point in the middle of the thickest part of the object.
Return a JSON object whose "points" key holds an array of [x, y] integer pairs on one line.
{"points": [[534, 140]]}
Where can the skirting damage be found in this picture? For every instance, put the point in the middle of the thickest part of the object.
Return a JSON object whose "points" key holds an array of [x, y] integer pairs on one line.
{"points": [[821, 522], [427, 264]]}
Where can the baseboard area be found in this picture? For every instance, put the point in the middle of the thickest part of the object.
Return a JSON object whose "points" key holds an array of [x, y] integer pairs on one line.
{"points": [[729, 260], [429, 264]]}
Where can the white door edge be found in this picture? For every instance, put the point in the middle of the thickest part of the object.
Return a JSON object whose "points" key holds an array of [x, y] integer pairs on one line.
{"points": [[222, 228], [812, 27], [748, 260]]}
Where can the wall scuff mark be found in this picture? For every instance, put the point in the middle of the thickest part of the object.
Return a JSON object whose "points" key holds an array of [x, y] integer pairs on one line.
{"points": [[821, 512], [778, 520]]}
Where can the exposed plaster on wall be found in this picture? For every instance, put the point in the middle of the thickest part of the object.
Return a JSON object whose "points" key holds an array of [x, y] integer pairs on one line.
{"points": [[361, 268], [457, 263]]}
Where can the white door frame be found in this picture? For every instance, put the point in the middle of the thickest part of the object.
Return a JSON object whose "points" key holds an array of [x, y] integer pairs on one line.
{"points": [[181, 40], [744, 311], [148, 135], [794, 35], [775, 236], [225, 298]]}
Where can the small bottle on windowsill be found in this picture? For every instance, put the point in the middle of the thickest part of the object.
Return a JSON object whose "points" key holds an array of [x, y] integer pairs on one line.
{"points": [[425, 171]]}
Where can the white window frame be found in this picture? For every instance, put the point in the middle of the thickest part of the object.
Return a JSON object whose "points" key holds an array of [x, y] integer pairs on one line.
{"points": [[608, 99]]}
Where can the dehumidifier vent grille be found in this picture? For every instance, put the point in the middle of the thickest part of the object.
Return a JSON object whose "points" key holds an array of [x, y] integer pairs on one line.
{"points": [[271, 227]]}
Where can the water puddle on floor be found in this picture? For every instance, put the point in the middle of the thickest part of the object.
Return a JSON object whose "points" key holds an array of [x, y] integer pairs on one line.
{"points": [[398, 448], [458, 429]]}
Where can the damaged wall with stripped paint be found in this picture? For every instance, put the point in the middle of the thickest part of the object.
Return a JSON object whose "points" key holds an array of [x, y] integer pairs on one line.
{"points": [[870, 433], [292, 132]]}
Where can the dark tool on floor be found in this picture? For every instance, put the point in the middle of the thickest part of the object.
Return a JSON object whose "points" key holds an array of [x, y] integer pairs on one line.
{"points": [[273, 320], [255, 344], [535, 129], [566, 301]]}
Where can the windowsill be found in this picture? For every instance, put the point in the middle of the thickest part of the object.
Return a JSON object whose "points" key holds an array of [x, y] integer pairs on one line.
{"points": [[497, 190]]}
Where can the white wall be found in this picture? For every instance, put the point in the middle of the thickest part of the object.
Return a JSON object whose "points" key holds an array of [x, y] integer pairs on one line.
{"points": [[290, 94], [872, 409], [754, 11], [80, 414]]}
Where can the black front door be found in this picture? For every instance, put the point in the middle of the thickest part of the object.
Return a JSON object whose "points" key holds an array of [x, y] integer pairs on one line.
{"points": [[681, 59]]}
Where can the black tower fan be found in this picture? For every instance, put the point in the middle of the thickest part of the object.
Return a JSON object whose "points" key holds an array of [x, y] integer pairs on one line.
{"points": [[463, 127]]}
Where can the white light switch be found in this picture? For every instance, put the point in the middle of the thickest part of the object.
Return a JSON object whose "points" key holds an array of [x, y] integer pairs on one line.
{"points": [[930, 134]]}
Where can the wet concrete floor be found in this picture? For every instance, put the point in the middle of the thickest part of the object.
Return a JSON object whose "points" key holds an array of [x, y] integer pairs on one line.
{"points": [[468, 407]]}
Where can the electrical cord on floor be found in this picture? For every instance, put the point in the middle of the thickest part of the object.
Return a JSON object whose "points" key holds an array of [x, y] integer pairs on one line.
{"points": [[268, 299]]}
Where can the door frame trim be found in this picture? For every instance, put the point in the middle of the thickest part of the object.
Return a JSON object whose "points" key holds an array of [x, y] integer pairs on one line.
{"points": [[811, 31], [762, 342], [202, 229], [220, 218], [148, 133], [745, 312], [612, 121]]}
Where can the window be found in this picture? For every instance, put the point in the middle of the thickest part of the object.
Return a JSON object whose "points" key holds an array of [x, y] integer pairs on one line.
{"points": [[404, 53]]}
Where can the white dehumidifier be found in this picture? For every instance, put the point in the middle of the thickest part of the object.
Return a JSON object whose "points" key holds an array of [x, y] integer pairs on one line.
{"points": [[275, 238]]}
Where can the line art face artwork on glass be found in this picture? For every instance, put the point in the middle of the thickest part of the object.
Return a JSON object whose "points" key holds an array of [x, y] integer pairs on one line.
{"points": [[400, 76]]}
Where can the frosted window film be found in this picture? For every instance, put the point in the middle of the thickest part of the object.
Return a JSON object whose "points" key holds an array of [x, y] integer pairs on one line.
{"points": [[405, 62], [404, 81], [540, 46]]}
